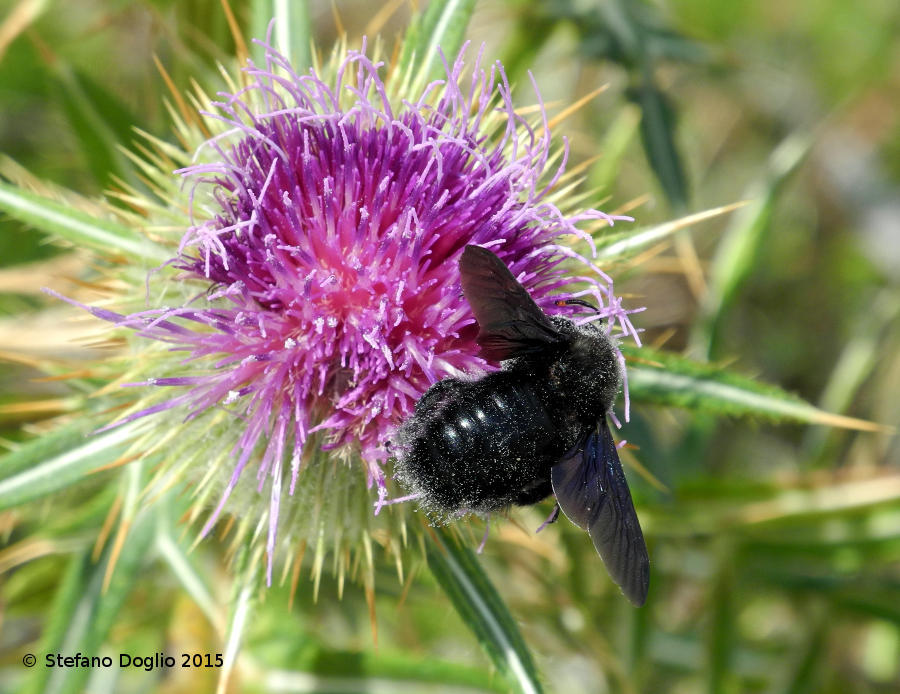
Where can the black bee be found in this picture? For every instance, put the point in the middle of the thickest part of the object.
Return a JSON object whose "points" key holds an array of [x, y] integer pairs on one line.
{"points": [[537, 427]]}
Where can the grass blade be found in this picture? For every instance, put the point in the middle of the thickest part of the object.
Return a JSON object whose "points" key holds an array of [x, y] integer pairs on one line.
{"points": [[246, 586], [84, 609], [322, 669], [658, 135], [100, 124], [859, 357], [613, 148], [183, 568], [721, 639], [291, 32], [443, 25], [740, 246], [77, 227], [533, 27], [42, 467], [476, 600]]}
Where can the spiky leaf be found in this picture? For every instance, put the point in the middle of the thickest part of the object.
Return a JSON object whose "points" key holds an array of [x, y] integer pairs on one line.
{"points": [[663, 378], [76, 227]]}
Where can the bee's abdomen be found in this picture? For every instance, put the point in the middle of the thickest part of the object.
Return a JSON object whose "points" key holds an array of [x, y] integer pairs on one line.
{"points": [[480, 445]]}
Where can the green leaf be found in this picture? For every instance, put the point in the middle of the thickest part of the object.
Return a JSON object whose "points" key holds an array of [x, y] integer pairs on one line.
{"points": [[533, 27], [100, 123], [858, 358], [663, 378], [174, 553], [867, 593], [476, 600], [658, 135], [86, 606], [77, 227], [807, 664], [38, 449], [720, 638], [665, 44], [737, 252], [443, 25], [330, 670], [47, 465], [633, 35], [245, 588], [291, 31], [613, 147]]}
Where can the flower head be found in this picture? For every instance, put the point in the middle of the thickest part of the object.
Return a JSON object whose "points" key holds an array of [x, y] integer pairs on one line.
{"points": [[329, 211]]}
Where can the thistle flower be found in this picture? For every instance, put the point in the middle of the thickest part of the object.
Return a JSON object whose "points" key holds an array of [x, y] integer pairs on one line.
{"points": [[317, 285]]}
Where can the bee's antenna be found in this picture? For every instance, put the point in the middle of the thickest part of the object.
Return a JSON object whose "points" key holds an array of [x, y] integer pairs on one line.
{"points": [[578, 302]]}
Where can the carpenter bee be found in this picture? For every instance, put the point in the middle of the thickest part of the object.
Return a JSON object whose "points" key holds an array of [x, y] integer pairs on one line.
{"points": [[536, 427]]}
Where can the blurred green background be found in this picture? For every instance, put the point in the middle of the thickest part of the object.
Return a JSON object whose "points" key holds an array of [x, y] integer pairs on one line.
{"points": [[775, 549]]}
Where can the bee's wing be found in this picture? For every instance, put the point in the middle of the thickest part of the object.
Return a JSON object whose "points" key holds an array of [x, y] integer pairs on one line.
{"points": [[510, 323], [591, 490]]}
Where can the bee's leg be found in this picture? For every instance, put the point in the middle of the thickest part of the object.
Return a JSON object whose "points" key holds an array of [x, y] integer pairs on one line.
{"points": [[533, 493], [437, 393], [550, 519]]}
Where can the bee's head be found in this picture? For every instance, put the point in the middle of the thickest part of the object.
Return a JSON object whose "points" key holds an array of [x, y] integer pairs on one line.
{"points": [[593, 326], [590, 369]]}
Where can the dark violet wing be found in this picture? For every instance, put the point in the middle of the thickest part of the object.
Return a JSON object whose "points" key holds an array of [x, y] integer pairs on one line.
{"points": [[591, 490], [510, 323]]}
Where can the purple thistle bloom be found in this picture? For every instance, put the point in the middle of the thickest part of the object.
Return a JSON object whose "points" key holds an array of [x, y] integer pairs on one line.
{"points": [[331, 220]]}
